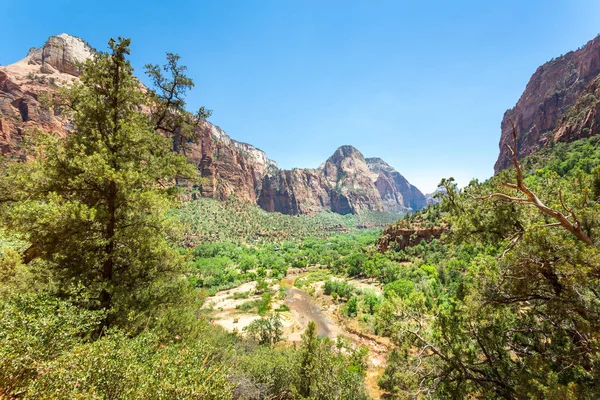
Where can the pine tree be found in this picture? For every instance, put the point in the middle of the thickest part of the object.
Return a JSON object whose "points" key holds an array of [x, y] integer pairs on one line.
{"points": [[308, 358], [168, 101], [95, 205]]}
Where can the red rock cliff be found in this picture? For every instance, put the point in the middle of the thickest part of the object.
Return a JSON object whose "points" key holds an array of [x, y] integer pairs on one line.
{"points": [[345, 183], [552, 90]]}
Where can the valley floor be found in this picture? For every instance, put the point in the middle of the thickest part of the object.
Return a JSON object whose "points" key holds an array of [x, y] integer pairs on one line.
{"points": [[303, 308]]}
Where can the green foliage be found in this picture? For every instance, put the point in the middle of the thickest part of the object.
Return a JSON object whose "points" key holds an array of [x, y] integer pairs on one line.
{"points": [[342, 289], [241, 295], [211, 221], [266, 372], [93, 205], [262, 305], [319, 369], [351, 308], [310, 278], [282, 308], [516, 313], [325, 373], [266, 330], [142, 367], [371, 301], [34, 329], [401, 287]]}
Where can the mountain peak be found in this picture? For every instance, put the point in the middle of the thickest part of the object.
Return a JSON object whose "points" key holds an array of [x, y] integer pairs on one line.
{"points": [[61, 53], [347, 150], [344, 152]]}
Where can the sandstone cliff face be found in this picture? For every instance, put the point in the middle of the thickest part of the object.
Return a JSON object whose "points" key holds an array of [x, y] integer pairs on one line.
{"points": [[230, 167], [299, 191], [395, 191], [583, 119], [345, 183], [20, 110], [23, 83], [552, 90]]}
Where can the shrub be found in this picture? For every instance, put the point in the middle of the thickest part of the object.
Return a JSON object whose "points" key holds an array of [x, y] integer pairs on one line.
{"points": [[401, 287]]}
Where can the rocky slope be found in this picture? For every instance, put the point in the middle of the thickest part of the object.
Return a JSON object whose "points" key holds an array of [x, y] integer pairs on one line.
{"points": [[395, 191], [542, 112], [229, 166], [345, 183]]}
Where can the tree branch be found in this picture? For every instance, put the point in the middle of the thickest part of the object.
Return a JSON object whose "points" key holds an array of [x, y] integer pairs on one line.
{"points": [[531, 198]]}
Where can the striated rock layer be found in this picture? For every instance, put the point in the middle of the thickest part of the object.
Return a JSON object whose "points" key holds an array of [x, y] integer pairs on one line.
{"points": [[345, 183], [540, 114]]}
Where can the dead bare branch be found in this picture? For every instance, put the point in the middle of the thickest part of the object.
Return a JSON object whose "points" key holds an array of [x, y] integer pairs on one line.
{"points": [[531, 198]]}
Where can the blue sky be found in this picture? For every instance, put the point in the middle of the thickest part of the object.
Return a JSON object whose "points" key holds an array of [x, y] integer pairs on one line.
{"points": [[421, 84]]}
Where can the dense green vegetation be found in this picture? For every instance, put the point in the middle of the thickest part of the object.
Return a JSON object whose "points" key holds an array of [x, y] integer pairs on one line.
{"points": [[516, 310], [210, 220], [223, 265], [96, 300], [104, 271]]}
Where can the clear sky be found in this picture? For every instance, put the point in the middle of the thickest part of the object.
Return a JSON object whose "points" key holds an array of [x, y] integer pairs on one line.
{"points": [[421, 84]]}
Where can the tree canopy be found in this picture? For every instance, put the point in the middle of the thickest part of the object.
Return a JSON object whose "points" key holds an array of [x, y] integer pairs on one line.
{"points": [[95, 204]]}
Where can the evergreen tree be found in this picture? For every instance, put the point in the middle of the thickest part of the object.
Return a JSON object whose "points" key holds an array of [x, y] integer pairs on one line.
{"points": [[308, 358], [168, 102], [94, 205]]}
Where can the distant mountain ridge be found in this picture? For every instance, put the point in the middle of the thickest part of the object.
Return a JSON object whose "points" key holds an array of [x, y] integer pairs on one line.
{"points": [[345, 183]]}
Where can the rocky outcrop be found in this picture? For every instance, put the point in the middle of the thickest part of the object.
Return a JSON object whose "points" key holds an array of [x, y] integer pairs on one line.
{"points": [[24, 83], [21, 110], [345, 183], [351, 182], [552, 90], [398, 237], [583, 119], [230, 167], [299, 191], [61, 53]]}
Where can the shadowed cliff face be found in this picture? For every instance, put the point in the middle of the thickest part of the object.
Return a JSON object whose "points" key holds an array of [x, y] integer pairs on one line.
{"points": [[551, 92], [345, 183]]}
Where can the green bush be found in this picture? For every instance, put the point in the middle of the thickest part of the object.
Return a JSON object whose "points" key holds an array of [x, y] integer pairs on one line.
{"points": [[401, 287], [351, 308], [266, 330], [34, 329], [343, 289], [117, 366]]}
